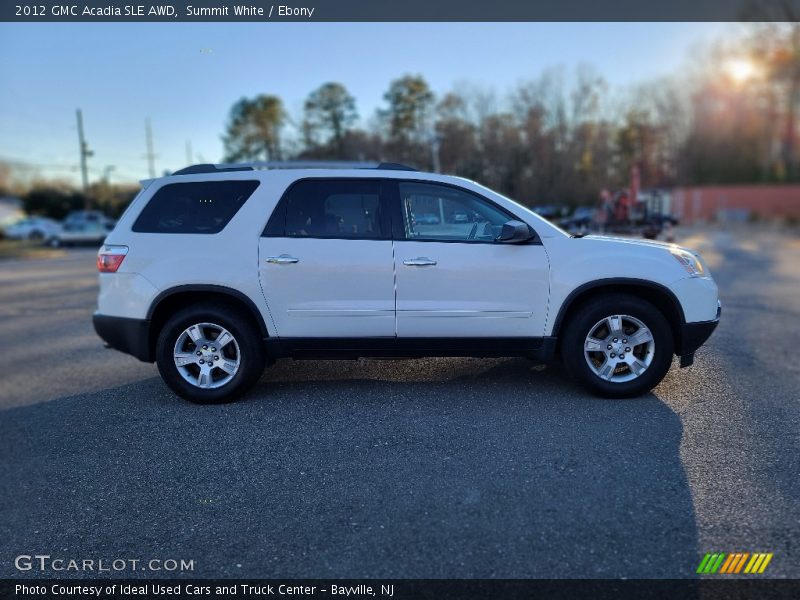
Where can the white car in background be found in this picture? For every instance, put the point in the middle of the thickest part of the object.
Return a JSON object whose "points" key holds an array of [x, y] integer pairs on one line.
{"points": [[217, 270], [89, 216], [32, 228], [80, 233]]}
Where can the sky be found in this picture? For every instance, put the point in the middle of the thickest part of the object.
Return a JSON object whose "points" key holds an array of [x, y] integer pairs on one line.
{"points": [[186, 76]]}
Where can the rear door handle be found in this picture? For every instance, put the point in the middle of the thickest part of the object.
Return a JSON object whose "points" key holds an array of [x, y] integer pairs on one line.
{"points": [[283, 259], [422, 261]]}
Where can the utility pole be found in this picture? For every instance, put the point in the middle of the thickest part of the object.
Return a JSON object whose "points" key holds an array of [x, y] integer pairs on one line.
{"points": [[436, 143], [150, 156], [85, 153], [189, 160]]}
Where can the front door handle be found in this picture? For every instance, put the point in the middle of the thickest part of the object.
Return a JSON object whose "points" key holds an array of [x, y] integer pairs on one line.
{"points": [[283, 259], [422, 261]]}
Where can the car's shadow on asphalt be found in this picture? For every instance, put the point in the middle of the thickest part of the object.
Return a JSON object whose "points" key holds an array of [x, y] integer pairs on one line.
{"points": [[458, 468]]}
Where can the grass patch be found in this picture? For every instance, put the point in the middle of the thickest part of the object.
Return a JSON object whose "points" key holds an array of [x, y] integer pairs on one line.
{"points": [[10, 249]]}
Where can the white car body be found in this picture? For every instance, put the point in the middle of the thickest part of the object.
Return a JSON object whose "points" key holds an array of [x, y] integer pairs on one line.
{"points": [[80, 232], [365, 289], [32, 228]]}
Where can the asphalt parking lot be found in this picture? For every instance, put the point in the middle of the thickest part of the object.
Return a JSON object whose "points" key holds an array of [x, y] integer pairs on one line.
{"points": [[410, 468]]}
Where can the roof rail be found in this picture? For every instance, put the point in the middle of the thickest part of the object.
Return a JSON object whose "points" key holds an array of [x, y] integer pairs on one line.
{"points": [[395, 167], [290, 164], [208, 168]]}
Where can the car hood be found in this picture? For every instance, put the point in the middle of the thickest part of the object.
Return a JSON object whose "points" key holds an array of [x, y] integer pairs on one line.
{"points": [[636, 242]]}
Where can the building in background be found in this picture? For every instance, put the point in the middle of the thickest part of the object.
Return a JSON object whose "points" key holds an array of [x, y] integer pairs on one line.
{"points": [[10, 210], [735, 203]]}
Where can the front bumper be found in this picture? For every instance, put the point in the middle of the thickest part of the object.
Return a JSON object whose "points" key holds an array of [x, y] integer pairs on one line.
{"points": [[694, 335], [131, 336]]}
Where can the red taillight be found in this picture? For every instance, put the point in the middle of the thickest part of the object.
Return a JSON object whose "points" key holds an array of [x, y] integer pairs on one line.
{"points": [[109, 258]]}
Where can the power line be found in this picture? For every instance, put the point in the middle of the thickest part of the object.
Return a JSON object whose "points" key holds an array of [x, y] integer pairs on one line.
{"points": [[30, 165], [23, 164]]}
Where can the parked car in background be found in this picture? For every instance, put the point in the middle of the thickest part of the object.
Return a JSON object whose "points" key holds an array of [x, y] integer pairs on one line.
{"points": [[427, 219], [460, 217], [85, 215], [81, 233], [32, 228], [548, 211], [582, 218], [91, 217]]}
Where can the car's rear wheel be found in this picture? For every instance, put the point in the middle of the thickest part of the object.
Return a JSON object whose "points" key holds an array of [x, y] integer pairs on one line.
{"points": [[618, 346], [209, 354]]}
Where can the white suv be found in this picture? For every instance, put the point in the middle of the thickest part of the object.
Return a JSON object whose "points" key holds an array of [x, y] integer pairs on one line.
{"points": [[218, 269]]}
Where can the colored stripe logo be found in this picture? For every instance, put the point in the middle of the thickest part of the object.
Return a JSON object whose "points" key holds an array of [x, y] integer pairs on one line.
{"points": [[734, 562]]}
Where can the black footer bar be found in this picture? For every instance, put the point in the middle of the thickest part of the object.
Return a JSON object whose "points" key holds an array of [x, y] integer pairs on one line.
{"points": [[399, 589]]}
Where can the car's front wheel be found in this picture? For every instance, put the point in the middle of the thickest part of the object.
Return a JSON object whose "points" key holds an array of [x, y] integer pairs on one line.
{"points": [[209, 354], [617, 346]]}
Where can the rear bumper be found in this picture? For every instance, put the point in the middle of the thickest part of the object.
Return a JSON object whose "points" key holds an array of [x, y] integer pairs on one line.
{"points": [[694, 335], [131, 336]]}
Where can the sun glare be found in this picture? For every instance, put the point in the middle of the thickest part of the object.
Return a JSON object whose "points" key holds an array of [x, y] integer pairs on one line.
{"points": [[740, 69]]}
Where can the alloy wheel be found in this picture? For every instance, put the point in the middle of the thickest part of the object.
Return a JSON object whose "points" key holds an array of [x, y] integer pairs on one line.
{"points": [[207, 355], [619, 348]]}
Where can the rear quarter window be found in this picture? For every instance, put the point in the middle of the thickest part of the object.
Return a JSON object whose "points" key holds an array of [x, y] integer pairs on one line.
{"points": [[195, 207]]}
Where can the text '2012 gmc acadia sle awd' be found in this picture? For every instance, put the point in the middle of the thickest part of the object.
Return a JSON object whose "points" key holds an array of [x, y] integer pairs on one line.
{"points": [[217, 269]]}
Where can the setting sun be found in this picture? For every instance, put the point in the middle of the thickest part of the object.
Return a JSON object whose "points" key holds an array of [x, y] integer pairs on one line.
{"points": [[740, 69]]}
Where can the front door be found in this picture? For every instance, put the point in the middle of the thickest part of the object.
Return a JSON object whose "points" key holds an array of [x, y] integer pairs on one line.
{"points": [[453, 279]]}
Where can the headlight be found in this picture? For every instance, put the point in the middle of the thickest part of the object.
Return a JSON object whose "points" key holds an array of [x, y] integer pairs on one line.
{"points": [[689, 262]]}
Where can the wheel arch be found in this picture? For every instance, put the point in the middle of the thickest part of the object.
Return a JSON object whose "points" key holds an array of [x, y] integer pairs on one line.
{"points": [[168, 301], [658, 295]]}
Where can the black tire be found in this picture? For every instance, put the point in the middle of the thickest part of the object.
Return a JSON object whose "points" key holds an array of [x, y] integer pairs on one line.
{"points": [[250, 352], [583, 321]]}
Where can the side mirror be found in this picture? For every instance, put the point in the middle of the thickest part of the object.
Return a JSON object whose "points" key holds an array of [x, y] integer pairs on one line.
{"points": [[514, 232]]}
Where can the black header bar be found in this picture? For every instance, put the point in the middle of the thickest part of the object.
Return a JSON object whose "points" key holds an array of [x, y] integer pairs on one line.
{"points": [[255, 11]]}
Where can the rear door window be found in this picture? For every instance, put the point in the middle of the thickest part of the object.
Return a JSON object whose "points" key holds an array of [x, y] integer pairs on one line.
{"points": [[332, 208], [194, 207]]}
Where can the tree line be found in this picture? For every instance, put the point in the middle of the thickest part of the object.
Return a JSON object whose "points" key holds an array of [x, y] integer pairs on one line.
{"points": [[561, 137], [730, 116]]}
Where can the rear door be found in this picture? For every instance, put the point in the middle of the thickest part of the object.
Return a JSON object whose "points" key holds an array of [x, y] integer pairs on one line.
{"points": [[453, 279], [325, 261]]}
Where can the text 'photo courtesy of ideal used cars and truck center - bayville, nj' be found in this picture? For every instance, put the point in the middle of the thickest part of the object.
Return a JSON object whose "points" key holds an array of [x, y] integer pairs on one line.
{"points": [[434, 300]]}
